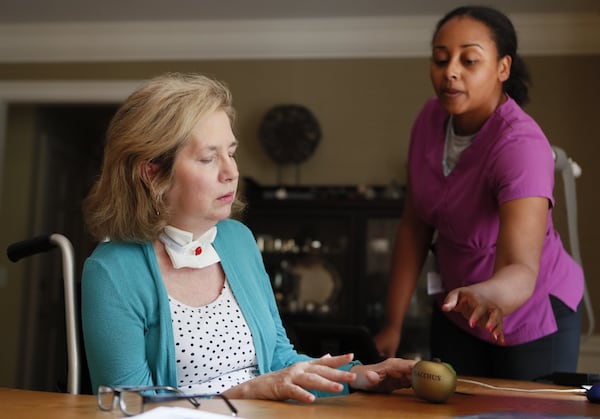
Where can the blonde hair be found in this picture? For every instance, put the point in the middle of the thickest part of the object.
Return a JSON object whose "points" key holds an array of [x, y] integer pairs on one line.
{"points": [[151, 126]]}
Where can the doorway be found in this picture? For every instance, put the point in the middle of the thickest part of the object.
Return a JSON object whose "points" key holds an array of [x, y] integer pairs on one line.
{"points": [[69, 141]]}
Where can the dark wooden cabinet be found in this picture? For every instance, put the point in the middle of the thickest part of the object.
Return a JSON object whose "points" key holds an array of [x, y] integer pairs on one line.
{"points": [[328, 252]]}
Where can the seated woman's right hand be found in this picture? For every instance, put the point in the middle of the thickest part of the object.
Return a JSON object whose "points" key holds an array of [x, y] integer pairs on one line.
{"points": [[293, 383], [387, 341]]}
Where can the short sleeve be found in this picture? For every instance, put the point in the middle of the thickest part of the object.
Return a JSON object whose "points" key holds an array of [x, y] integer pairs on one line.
{"points": [[523, 167]]}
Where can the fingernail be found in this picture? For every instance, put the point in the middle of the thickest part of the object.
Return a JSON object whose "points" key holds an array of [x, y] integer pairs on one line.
{"points": [[472, 324]]}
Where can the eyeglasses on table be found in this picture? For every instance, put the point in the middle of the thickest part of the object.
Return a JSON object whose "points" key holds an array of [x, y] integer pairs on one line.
{"points": [[131, 399]]}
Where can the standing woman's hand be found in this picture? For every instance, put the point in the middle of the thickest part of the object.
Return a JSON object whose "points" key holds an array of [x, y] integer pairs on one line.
{"points": [[478, 310], [387, 341], [293, 383]]}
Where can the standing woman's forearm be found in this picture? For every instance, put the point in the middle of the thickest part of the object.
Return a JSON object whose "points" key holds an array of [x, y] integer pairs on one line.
{"points": [[523, 224], [410, 250]]}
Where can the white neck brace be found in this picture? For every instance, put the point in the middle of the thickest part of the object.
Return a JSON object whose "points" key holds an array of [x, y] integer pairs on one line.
{"points": [[186, 252]]}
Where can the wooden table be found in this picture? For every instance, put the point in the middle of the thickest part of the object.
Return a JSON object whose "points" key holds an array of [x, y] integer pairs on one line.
{"points": [[470, 400]]}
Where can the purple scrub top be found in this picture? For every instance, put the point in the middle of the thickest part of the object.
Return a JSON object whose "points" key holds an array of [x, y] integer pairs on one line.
{"points": [[509, 158]]}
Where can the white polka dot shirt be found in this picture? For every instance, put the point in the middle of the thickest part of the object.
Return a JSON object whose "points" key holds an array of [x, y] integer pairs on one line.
{"points": [[214, 349]]}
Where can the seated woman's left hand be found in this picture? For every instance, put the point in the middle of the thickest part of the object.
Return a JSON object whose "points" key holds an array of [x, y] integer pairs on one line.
{"points": [[477, 309], [385, 376]]}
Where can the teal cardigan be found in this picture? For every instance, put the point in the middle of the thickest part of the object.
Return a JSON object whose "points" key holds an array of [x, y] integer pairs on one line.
{"points": [[126, 318]]}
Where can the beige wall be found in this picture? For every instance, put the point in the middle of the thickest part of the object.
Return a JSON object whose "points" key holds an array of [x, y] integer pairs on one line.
{"points": [[365, 108]]}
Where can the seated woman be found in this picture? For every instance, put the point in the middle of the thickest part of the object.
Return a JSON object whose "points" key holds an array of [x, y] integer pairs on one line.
{"points": [[176, 293]]}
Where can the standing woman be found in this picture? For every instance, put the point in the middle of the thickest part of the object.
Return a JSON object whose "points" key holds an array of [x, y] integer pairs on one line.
{"points": [[178, 295], [481, 175]]}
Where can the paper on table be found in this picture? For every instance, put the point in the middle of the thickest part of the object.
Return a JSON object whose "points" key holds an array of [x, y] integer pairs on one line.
{"points": [[164, 412]]}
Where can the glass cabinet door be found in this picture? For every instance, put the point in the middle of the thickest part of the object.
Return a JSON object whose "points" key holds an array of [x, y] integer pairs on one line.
{"points": [[310, 265]]}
